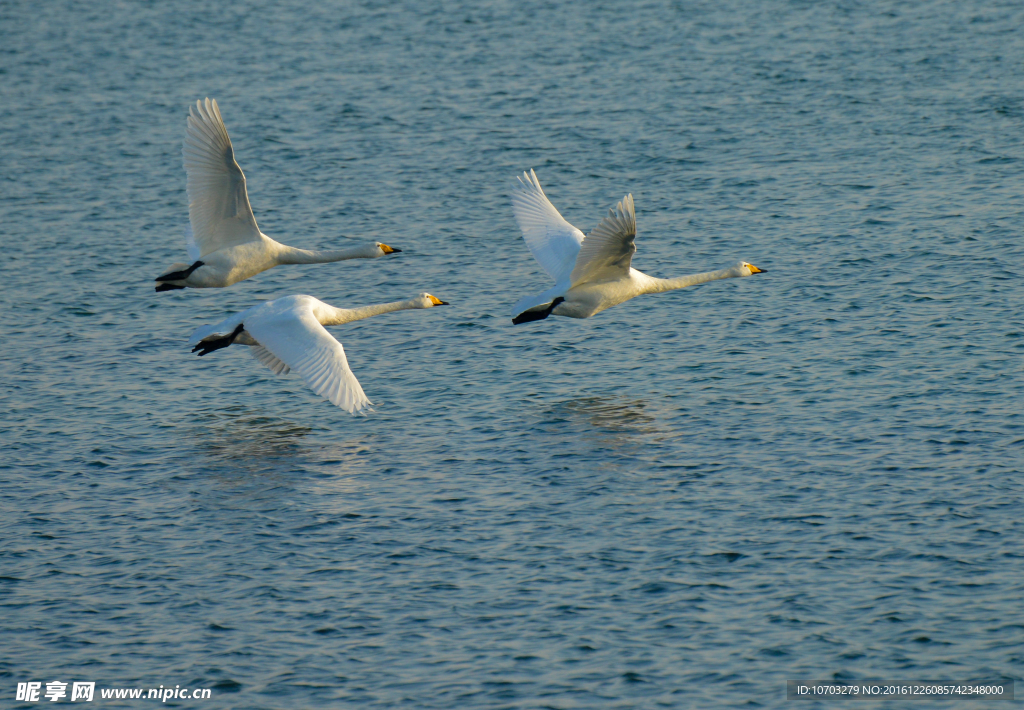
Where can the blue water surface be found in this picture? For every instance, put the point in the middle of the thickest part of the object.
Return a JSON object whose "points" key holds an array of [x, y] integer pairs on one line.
{"points": [[681, 502]]}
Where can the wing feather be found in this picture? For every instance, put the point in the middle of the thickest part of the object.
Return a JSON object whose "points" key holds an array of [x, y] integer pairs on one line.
{"points": [[608, 250], [296, 339], [553, 242], [270, 360], [191, 247], [218, 204]]}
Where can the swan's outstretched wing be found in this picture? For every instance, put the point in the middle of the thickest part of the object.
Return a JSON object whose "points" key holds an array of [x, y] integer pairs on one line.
{"points": [[296, 339], [218, 205], [608, 250], [190, 246], [553, 241], [270, 360]]}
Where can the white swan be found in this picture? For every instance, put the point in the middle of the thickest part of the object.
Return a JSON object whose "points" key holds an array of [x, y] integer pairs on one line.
{"points": [[288, 334], [224, 244], [591, 273]]}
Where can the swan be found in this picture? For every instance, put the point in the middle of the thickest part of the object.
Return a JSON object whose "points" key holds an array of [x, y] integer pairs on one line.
{"points": [[591, 273], [223, 242], [288, 334]]}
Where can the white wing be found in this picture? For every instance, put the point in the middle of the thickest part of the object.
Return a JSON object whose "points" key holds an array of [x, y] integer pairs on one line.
{"points": [[190, 246], [608, 250], [218, 205], [553, 241], [270, 360], [296, 339]]}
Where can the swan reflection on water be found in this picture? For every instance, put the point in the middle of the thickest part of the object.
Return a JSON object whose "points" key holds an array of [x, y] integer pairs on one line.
{"points": [[242, 435], [246, 441], [618, 423], [608, 413]]}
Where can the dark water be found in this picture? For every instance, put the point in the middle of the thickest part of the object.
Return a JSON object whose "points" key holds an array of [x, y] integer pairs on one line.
{"points": [[682, 502]]}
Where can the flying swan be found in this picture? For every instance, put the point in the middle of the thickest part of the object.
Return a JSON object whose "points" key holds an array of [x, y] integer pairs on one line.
{"points": [[591, 273], [224, 244], [288, 334]]}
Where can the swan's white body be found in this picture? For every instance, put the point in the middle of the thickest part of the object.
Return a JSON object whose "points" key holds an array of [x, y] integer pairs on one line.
{"points": [[288, 334], [223, 239], [592, 273]]}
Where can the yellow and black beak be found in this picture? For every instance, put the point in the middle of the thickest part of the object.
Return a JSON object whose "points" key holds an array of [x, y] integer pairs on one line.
{"points": [[437, 301], [389, 250], [755, 270]]}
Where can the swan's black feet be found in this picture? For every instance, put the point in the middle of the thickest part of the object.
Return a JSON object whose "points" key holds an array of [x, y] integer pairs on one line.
{"points": [[167, 287], [528, 316], [208, 346], [179, 275]]}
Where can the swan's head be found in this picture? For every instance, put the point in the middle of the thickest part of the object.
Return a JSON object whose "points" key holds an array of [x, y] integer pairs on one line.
{"points": [[747, 269], [383, 249], [425, 300]]}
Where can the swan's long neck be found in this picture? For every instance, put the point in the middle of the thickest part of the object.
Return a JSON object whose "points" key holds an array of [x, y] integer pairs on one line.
{"points": [[660, 285], [337, 316], [291, 255]]}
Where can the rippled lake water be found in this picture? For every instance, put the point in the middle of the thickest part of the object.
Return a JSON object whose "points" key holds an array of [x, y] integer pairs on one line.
{"points": [[681, 502]]}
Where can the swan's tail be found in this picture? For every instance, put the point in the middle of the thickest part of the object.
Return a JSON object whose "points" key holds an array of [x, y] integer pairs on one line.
{"points": [[210, 344], [528, 316], [205, 331], [234, 323], [528, 303], [179, 272], [170, 270]]}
